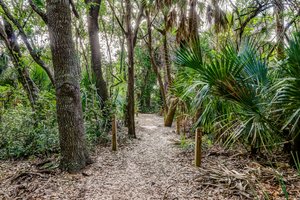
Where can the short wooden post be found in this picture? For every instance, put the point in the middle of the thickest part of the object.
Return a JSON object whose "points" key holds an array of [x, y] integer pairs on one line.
{"points": [[198, 141], [184, 125], [178, 125], [114, 134]]}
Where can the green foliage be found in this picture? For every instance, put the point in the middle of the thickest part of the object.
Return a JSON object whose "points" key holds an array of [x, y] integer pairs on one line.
{"points": [[8, 77], [288, 87], [296, 159], [39, 3], [232, 89], [146, 86], [40, 77], [7, 73], [283, 187], [3, 62], [95, 123], [185, 143], [24, 132]]}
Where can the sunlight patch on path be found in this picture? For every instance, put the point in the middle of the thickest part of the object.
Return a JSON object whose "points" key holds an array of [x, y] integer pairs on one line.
{"points": [[150, 127]]}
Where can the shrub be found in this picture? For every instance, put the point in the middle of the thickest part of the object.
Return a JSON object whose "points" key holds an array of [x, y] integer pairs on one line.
{"points": [[24, 132]]}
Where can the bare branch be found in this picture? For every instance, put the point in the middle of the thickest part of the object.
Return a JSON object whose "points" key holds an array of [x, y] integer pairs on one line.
{"points": [[74, 9], [138, 22], [118, 20], [38, 11]]}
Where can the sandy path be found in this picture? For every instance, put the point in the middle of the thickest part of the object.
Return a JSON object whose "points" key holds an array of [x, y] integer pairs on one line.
{"points": [[150, 167], [145, 169]]}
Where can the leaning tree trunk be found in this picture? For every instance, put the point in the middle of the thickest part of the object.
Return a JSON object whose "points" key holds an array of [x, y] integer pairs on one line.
{"points": [[153, 63], [11, 42], [171, 113], [167, 57], [93, 30], [182, 31], [130, 82], [166, 50], [74, 155], [278, 9]]}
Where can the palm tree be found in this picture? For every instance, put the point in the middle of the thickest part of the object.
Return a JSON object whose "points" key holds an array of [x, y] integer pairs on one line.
{"points": [[233, 91], [288, 95]]}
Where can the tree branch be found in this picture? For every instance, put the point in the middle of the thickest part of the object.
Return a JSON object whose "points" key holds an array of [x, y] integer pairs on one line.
{"points": [[288, 25], [118, 20], [138, 22], [161, 31], [74, 9], [38, 11], [32, 52]]}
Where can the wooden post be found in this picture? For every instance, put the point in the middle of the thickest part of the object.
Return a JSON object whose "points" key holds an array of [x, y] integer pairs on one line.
{"points": [[178, 125], [198, 141], [114, 134], [184, 125]]}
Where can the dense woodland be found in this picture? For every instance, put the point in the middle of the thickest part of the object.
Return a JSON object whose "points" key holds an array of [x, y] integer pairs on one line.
{"points": [[73, 71]]}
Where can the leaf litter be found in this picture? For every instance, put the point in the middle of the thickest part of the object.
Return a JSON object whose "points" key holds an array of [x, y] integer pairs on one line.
{"points": [[150, 167]]}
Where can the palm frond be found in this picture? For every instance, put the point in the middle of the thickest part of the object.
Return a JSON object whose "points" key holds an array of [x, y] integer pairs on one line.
{"points": [[232, 84], [190, 56]]}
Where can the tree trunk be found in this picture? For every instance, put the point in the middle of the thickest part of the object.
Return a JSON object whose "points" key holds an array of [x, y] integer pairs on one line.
{"points": [[171, 113], [93, 30], [193, 24], [130, 82], [74, 155], [167, 58], [154, 65], [278, 9], [182, 32], [109, 70], [16, 55]]}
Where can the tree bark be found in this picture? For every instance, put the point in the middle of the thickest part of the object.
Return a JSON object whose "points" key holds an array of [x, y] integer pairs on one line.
{"points": [[193, 23], [278, 9], [130, 82], [171, 113], [131, 38], [181, 33], [167, 54], [11, 42], [93, 30], [74, 155]]}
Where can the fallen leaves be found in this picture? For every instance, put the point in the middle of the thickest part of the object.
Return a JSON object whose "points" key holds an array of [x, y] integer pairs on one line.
{"points": [[151, 168]]}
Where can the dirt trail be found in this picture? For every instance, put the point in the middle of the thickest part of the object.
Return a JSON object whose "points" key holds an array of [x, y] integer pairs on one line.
{"points": [[150, 167], [145, 169]]}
